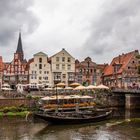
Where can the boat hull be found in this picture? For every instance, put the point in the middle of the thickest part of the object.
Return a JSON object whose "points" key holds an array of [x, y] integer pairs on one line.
{"points": [[63, 120]]}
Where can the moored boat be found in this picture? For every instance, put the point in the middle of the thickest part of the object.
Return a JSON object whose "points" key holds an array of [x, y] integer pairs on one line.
{"points": [[63, 118]]}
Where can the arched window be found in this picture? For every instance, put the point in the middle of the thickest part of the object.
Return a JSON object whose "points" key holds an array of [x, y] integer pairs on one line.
{"points": [[40, 60]]}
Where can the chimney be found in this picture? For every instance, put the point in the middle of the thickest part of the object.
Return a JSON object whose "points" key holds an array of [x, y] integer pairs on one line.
{"points": [[119, 59]]}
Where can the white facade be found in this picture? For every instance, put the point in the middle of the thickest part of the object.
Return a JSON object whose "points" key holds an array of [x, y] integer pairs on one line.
{"points": [[63, 67], [40, 70]]}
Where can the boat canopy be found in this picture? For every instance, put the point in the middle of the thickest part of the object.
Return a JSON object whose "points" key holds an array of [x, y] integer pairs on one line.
{"points": [[62, 97]]}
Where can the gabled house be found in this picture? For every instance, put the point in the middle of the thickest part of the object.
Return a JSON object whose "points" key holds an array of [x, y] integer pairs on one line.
{"points": [[15, 72], [86, 71], [40, 70], [123, 71], [62, 67]]}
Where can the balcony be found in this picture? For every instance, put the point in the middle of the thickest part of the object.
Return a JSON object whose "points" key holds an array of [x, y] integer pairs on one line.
{"points": [[56, 79], [71, 79]]}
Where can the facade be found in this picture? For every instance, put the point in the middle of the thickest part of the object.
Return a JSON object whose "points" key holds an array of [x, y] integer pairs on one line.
{"points": [[63, 67], [123, 71], [1, 71], [15, 72], [86, 72], [100, 70], [40, 70]]}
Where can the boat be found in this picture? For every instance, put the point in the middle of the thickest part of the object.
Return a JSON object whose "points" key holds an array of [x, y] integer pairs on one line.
{"points": [[70, 109], [67, 102], [73, 117]]}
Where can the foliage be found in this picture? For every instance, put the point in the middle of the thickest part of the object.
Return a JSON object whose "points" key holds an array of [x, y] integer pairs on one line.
{"points": [[29, 96], [36, 98], [84, 83], [1, 114], [13, 109], [22, 113], [12, 114]]}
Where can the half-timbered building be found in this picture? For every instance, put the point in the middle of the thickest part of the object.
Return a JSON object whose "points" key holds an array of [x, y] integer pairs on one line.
{"points": [[15, 72]]}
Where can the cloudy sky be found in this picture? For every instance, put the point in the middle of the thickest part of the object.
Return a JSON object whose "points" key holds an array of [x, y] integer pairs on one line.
{"points": [[100, 29]]}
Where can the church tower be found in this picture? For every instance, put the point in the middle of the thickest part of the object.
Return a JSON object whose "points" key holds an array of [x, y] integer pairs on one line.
{"points": [[19, 50]]}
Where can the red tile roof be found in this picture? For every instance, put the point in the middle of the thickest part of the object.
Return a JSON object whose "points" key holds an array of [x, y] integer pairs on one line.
{"points": [[102, 66], [1, 64], [122, 60]]}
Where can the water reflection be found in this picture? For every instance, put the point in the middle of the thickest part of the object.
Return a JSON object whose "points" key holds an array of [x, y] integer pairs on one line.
{"points": [[115, 129], [112, 130]]}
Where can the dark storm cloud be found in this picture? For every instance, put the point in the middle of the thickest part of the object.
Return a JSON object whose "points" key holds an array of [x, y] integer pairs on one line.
{"points": [[116, 28], [15, 15]]}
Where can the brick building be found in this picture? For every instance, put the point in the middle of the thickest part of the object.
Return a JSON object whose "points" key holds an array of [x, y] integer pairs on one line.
{"points": [[86, 72], [122, 71]]}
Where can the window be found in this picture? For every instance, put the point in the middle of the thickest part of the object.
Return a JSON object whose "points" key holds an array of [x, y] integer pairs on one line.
{"points": [[44, 65], [57, 76], [57, 59], [63, 59], [69, 60], [80, 70], [64, 76], [46, 78], [63, 66], [57, 66], [45, 72], [40, 78], [40, 72], [40, 60], [69, 67], [36, 65], [91, 70], [40, 66]]}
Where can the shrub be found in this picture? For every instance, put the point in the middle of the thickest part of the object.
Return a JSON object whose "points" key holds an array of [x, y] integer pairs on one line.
{"points": [[21, 113], [29, 96], [1, 114], [6, 109], [10, 114], [20, 109], [13, 109]]}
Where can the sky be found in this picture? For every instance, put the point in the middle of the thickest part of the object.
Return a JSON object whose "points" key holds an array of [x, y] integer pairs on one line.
{"points": [[100, 29]]}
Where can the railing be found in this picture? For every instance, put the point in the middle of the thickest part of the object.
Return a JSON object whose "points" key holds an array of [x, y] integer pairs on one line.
{"points": [[126, 90]]}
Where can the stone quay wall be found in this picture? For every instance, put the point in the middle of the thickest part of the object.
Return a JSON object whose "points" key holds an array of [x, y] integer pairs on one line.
{"points": [[15, 102]]}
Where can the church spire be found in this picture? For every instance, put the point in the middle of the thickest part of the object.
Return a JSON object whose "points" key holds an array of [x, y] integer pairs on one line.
{"points": [[19, 47]]}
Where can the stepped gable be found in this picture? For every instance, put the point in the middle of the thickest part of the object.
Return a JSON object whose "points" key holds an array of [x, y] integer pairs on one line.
{"points": [[121, 60]]}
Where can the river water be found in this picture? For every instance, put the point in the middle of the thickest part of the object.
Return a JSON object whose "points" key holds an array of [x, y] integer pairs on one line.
{"points": [[125, 126]]}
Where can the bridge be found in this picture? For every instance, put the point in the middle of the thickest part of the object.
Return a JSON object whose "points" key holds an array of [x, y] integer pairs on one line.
{"points": [[130, 98]]}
